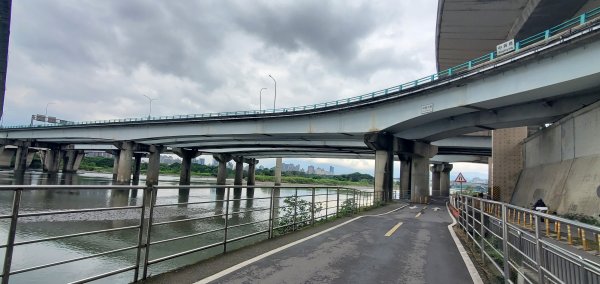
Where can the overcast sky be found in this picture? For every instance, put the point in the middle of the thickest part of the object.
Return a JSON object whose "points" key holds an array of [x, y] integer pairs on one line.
{"points": [[96, 59]]}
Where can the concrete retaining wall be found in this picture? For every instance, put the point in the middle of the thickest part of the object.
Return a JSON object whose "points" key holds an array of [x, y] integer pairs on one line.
{"points": [[562, 165]]}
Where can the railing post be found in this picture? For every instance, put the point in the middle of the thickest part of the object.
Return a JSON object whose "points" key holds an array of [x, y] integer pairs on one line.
{"points": [[482, 230], [505, 244], [152, 190], [337, 201], [538, 249], [314, 205], [271, 212], [582, 19], [470, 64], [140, 238], [327, 204], [11, 235], [226, 220], [491, 56], [294, 225], [354, 201], [517, 46]]}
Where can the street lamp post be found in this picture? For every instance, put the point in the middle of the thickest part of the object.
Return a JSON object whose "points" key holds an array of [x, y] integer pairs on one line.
{"points": [[150, 100], [260, 100], [275, 98], [46, 111]]}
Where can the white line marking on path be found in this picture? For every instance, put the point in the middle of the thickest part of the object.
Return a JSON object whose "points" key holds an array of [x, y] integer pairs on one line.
{"points": [[463, 253], [264, 255], [418, 214]]}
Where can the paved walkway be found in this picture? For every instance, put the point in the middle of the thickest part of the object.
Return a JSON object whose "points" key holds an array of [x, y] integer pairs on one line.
{"points": [[410, 245]]}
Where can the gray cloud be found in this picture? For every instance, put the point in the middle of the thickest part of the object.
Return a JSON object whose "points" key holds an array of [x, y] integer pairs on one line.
{"points": [[95, 59]]}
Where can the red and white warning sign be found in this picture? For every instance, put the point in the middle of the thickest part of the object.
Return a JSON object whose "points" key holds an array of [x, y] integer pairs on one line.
{"points": [[460, 178]]}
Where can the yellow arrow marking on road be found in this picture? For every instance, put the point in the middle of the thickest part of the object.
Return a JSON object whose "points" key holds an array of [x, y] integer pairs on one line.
{"points": [[392, 230]]}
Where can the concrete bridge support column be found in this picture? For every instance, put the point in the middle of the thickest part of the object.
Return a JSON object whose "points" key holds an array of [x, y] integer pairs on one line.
{"points": [[153, 165], [435, 179], [116, 155], [278, 166], [6, 156], [137, 165], [125, 157], [72, 160], [186, 156], [30, 156], [52, 160], [419, 153], [21, 163], [223, 159], [507, 155], [383, 144], [185, 174], [445, 179], [384, 168], [251, 179], [251, 171], [239, 170], [404, 177]]}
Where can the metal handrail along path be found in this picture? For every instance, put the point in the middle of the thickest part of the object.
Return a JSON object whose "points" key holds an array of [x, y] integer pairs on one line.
{"points": [[523, 46], [149, 221], [530, 246]]}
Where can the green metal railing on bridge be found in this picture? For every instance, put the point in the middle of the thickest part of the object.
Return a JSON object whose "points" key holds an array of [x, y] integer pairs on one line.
{"points": [[449, 73]]}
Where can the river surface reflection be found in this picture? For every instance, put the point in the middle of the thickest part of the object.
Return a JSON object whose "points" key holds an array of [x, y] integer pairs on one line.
{"points": [[210, 203]]}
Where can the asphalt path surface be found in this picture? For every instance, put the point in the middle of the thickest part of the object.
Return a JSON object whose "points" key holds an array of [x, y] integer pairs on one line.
{"points": [[410, 245]]}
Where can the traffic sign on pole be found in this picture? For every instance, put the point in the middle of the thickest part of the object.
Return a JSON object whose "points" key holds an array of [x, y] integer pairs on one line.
{"points": [[460, 179]]}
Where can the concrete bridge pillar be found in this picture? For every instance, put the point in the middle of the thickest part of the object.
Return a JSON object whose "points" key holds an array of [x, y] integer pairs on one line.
{"points": [[72, 160], [278, 166], [223, 159], [116, 154], [153, 165], [186, 156], [21, 162], [239, 170], [21, 157], [384, 168], [435, 179], [124, 169], [30, 156], [251, 171], [137, 165], [404, 176], [52, 158], [382, 143], [419, 154], [507, 156], [445, 179], [6, 156]]}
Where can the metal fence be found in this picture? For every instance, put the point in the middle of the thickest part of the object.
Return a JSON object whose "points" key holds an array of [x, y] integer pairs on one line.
{"points": [[541, 248], [570, 26], [280, 214]]}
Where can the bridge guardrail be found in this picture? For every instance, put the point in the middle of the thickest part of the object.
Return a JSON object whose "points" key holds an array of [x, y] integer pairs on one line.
{"points": [[303, 210], [534, 249], [470, 65]]}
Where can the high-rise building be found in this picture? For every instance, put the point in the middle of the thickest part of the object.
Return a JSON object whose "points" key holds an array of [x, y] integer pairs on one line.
{"points": [[311, 170], [331, 170]]}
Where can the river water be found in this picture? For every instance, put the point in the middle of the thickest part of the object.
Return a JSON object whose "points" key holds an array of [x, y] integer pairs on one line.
{"points": [[32, 228]]}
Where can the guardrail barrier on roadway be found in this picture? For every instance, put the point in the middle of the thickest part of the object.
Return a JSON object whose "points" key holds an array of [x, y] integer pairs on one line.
{"points": [[541, 248], [216, 218], [531, 42]]}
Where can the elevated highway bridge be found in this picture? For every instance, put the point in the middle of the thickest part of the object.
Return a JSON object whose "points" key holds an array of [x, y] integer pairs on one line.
{"points": [[548, 76]]}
